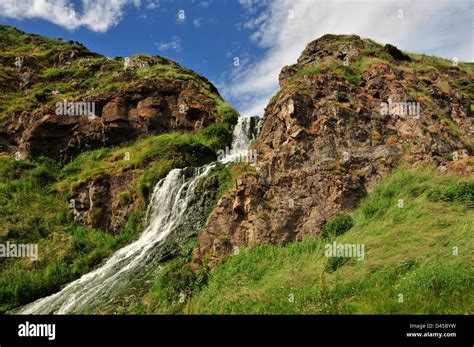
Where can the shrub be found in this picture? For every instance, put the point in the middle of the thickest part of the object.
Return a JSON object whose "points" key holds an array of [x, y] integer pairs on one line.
{"points": [[218, 135], [227, 112], [177, 281], [337, 225], [335, 263], [462, 192]]}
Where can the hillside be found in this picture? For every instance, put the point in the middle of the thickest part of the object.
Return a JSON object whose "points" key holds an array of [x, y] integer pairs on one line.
{"points": [[132, 97], [363, 145], [347, 113], [422, 251], [343, 158], [79, 185]]}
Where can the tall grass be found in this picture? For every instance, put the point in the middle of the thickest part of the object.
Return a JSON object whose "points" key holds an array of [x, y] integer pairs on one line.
{"points": [[418, 259], [34, 206], [32, 211]]}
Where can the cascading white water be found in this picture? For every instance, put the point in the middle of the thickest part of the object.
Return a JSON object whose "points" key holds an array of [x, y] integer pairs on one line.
{"points": [[166, 212], [243, 134], [168, 204]]}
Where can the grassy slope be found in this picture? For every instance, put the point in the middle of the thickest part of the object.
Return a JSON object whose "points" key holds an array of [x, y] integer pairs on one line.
{"points": [[34, 207], [34, 196], [31, 211], [408, 251]]}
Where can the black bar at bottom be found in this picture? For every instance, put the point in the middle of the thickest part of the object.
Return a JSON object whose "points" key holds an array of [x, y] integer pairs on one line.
{"points": [[315, 330]]}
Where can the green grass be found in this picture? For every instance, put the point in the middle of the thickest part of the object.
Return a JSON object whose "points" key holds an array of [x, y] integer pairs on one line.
{"points": [[227, 113], [409, 251], [165, 71], [374, 53], [84, 73], [175, 283], [33, 211], [337, 225], [351, 72], [229, 174], [453, 127], [34, 206], [311, 70], [149, 159], [459, 192]]}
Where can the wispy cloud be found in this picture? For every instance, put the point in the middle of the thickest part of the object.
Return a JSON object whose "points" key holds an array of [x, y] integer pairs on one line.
{"points": [[97, 16], [152, 4], [174, 44], [203, 3], [283, 28]]}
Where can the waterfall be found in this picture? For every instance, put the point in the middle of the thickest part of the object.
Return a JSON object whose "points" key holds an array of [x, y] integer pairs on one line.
{"points": [[244, 133], [168, 205], [168, 209]]}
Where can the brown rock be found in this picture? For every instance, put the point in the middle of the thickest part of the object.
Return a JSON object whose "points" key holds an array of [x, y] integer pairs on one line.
{"points": [[320, 152]]}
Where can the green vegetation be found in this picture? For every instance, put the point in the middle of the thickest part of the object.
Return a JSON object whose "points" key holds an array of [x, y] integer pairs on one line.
{"points": [[458, 192], [34, 197], [227, 113], [350, 72], [467, 88], [177, 282], [446, 120], [33, 211], [374, 53], [312, 70], [337, 225], [421, 251], [229, 174], [34, 206], [79, 73], [149, 159]]}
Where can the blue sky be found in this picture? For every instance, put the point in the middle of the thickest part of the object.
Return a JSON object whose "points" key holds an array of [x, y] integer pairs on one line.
{"points": [[265, 35]]}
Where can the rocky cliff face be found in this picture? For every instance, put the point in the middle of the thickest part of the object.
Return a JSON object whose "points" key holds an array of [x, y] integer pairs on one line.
{"points": [[58, 99], [347, 112], [131, 98]]}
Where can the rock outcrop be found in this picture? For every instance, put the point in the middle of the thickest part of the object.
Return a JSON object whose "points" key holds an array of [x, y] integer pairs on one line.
{"points": [[142, 109], [132, 97], [348, 112], [58, 99], [104, 203]]}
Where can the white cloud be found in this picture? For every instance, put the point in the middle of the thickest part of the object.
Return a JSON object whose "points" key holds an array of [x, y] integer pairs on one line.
{"points": [[437, 27], [253, 6], [96, 15], [152, 4], [174, 44]]}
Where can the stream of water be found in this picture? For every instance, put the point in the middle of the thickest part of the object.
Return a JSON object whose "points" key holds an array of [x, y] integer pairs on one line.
{"points": [[166, 212]]}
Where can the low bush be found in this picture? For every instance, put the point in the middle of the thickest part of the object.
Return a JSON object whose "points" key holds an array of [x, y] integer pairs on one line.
{"points": [[460, 192], [337, 225]]}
